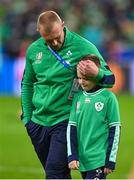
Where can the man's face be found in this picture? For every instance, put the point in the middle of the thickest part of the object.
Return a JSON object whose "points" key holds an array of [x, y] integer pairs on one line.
{"points": [[55, 38], [86, 84]]}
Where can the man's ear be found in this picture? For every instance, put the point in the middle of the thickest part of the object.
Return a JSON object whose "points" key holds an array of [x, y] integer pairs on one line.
{"points": [[63, 24]]}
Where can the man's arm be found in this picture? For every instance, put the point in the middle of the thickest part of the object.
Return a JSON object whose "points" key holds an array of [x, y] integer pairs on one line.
{"points": [[27, 91], [103, 75]]}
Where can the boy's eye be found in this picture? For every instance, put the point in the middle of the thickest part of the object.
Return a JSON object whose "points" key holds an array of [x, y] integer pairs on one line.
{"points": [[86, 79]]}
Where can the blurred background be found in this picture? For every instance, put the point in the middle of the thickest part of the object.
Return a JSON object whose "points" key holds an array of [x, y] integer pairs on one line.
{"points": [[107, 24]]}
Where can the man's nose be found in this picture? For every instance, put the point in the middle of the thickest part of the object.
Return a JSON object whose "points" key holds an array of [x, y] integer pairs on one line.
{"points": [[54, 43]]}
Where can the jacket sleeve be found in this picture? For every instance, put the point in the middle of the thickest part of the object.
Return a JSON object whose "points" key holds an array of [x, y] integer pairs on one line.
{"points": [[105, 77], [113, 141], [113, 117], [27, 91], [72, 144]]}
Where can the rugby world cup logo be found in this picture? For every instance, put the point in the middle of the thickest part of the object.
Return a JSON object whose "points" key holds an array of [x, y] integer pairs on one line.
{"points": [[39, 57]]}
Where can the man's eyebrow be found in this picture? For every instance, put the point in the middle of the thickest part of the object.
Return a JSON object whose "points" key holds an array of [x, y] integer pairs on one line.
{"points": [[57, 36], [53, 38]]}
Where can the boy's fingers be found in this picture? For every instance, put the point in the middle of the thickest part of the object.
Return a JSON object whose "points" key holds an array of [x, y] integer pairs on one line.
{"points": [[73, 165], [77, 164], [107, 170]]}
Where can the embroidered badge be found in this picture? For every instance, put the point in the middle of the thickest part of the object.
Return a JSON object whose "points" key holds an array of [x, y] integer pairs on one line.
{"points": [[87, 100], [69, 53], [99, 106], [39, 57]]}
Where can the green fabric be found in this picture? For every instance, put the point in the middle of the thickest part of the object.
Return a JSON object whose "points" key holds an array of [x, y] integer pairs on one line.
{"points": [[93, 114], [46, 83]]}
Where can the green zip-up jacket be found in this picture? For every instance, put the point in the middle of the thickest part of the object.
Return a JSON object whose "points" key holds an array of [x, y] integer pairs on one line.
{"points": [[46, 83]]}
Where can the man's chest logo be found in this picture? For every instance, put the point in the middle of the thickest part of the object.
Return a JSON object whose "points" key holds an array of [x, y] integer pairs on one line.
{"points": [[99, 106], [69, 53]]}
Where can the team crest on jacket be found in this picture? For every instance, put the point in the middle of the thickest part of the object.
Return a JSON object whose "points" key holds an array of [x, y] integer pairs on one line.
{"points": [[69, 53], [99, 106]]}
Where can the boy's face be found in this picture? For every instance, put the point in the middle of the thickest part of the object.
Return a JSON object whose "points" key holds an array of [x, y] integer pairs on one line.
{"points": [[86, 84]]}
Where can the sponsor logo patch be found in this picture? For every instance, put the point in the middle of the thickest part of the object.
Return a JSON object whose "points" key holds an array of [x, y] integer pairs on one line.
{"points": [[87, 100]]}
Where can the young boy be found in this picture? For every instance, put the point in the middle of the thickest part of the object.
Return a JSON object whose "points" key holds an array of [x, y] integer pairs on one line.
{"points": [[94, 129]]}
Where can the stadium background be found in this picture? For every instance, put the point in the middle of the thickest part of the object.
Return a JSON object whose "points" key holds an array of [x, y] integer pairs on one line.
{"points": [[110, 26]]}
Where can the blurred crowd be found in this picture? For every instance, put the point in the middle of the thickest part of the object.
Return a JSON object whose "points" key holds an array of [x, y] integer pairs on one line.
{"points": [[107, 24]]}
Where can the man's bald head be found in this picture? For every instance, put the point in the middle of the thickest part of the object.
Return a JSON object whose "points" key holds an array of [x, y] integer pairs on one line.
{"points": [[48, 20], [51, 28]]}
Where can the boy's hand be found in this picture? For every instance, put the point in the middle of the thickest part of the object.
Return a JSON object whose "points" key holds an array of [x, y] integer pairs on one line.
{"points": [[88, 68], [74, 165], [107, 170]]}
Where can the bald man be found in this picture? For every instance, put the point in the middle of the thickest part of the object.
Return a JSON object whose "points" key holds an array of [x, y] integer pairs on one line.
{"points": [[48, 86]]}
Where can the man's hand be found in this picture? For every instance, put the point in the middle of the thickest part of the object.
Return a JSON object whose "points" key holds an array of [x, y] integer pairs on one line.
{"points": [[74, 165], [88, 68], [107, 170]]}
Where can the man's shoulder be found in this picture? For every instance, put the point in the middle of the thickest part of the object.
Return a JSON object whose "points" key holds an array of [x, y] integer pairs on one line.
{"points": [[36, 45], [38, 42], [78, 38]]}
